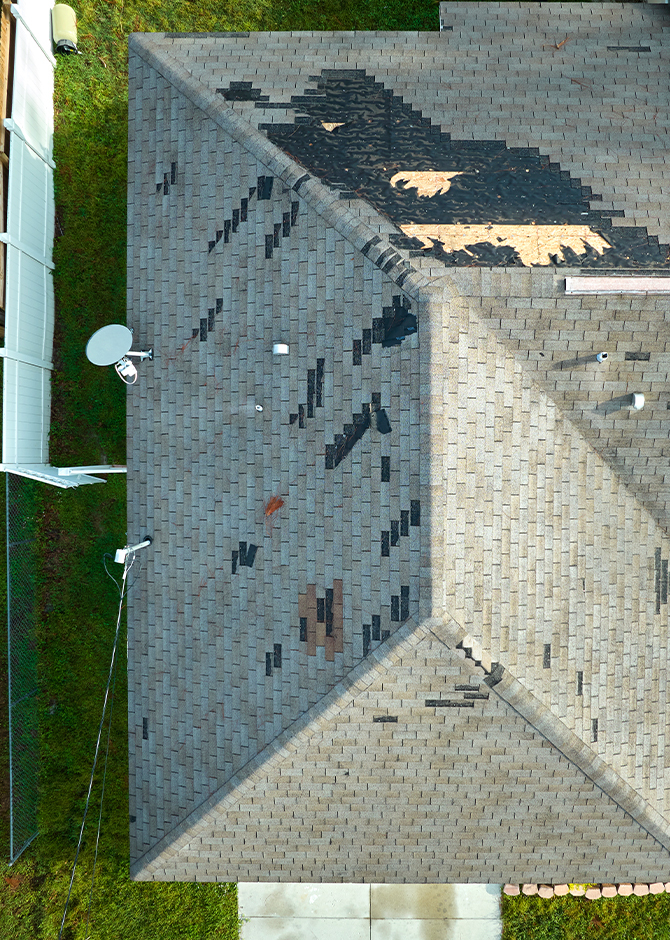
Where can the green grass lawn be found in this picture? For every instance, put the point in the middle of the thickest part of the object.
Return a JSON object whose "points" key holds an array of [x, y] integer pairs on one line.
{"points": [[77, 602], [568, 918]]}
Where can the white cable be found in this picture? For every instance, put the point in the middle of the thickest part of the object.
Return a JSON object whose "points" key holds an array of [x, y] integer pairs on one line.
{"points": [[102, 799], [126, 568]]}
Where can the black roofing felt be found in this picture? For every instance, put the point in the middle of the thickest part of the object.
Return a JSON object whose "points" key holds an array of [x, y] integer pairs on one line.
{"points": [[381, 136]]}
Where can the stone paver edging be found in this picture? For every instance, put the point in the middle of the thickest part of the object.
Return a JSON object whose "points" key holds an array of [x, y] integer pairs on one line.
{"points": [[591, 893]]}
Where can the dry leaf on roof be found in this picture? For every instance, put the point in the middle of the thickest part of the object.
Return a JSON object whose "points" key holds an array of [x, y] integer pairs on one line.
{"points": [[274, 503], [556, 45], [330, 125]]}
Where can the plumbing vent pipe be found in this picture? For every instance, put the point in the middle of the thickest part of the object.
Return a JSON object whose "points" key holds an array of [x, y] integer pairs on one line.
{"points": [[64, 26], [601, 357], [637, 402], [280, 349]]}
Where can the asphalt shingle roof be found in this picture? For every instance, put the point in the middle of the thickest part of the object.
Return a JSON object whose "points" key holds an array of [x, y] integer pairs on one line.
{"points": [[295, 687]]}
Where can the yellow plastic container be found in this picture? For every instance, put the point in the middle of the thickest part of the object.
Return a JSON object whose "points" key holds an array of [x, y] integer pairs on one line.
{"points": [[64, 26]]}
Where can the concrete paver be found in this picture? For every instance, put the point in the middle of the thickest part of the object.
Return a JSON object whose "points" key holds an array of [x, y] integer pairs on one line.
{"points": [[261, 899], [369, 912], [435, 902]]}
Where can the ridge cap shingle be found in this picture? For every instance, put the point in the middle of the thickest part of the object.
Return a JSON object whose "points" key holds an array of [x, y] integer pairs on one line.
{"points": [[603, 775], [316, 194], [444, 629]]}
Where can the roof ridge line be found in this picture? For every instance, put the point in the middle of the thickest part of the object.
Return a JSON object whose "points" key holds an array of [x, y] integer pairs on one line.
{"points": [[298, 733], [316, 194], [551, 727], [435, 294]]}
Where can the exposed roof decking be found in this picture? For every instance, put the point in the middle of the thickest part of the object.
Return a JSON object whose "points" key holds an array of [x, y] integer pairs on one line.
{"points": [[592, 110]]}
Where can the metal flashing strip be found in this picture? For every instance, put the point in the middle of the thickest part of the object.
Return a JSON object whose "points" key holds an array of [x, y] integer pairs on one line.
{"points": [[617, 285]]}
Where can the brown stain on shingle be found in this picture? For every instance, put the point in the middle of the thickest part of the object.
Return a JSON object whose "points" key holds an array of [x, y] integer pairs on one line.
{"points": [[316, 630]]}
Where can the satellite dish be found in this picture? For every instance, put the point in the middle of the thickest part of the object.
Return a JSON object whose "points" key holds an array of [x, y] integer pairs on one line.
{"points": [[110, 345]]}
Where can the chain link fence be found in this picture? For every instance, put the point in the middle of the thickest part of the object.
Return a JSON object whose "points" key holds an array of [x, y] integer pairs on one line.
{"points": [[21, 501]]}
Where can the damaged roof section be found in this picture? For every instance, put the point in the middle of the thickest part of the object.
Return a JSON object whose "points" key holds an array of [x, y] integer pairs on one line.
{"points": [[478, 202]]}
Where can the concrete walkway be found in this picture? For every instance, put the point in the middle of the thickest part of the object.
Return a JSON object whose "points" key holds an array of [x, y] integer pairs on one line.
{"points": [[369, 912]]}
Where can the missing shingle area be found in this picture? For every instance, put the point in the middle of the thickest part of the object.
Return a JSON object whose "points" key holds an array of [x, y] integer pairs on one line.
{"points": [[232, 224], [244, 556], [169, 180], [242, 91], [314, 397], [470, 693], [400, 605], [396, 323], [399, 613], [273, 660], [637, 357], [321, 620], [208, 323], [390, 538], [448, 703], [660, 580], [263, 192], [360, 112]]}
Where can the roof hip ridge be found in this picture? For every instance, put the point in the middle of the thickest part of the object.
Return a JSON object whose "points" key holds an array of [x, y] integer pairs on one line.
{"points": [[375, 245], [298, 733], [501, 681]]}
